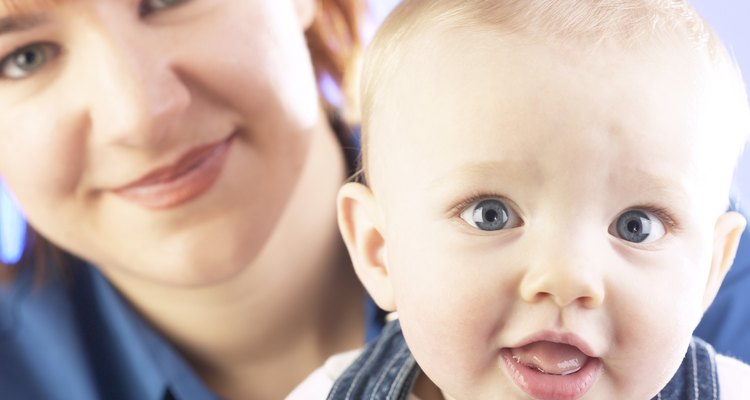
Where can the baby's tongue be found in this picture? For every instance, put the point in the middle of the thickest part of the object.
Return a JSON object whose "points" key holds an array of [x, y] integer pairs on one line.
{"points": [[550, 358]]}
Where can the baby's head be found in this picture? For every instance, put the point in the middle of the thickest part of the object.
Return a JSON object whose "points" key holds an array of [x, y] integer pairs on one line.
{"points": [[547, 186]]}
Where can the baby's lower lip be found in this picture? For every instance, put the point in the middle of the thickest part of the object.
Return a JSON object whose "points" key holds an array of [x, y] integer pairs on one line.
{"points": [[544, 386]]}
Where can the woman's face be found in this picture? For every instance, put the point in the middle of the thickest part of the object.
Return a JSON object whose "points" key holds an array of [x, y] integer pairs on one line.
{"points": [[139, 134]]}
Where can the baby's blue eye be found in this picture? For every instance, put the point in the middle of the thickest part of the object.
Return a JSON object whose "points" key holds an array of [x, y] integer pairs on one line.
{"points": [[27, 60], [489, 215], [149, 6], [638, 226]]}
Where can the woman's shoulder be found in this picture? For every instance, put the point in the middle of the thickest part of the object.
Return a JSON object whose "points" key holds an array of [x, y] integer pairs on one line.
{"points": [[73, 336], [38, 338], [22, 293], [734, 378]]}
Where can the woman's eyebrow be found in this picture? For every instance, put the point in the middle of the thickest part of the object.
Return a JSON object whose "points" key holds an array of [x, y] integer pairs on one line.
{"points": [[21, 22]]}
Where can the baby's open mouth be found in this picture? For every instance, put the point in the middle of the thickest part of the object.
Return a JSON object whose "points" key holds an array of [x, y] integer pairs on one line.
{"points": [[550, 358], [548, 370]]}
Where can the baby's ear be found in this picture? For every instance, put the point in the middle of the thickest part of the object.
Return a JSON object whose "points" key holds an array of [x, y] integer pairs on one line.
{"points": [[727, 233], [360, 223]]}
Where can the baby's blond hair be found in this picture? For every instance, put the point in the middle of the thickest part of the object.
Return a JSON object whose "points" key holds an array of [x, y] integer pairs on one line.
{"points": [[582, 23]]}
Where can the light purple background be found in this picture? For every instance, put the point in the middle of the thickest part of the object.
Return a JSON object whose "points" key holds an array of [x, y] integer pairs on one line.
{"points": [[730, 18]]}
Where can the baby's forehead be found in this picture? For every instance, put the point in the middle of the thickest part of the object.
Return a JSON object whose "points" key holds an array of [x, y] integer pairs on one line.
{"points": [[452, 66], [445, 51], [576, 27], [509, 80]]}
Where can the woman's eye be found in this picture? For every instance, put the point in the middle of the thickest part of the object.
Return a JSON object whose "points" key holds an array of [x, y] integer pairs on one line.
{"points": [[490, 215], [638, 226], [149, 6], [27, 60]]}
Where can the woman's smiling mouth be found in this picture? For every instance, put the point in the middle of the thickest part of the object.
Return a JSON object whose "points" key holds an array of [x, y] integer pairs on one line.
{"points": [[189, 177]]}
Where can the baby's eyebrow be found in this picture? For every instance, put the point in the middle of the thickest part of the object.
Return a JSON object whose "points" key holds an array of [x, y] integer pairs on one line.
{"points": [[20, 23], [510, 169]]}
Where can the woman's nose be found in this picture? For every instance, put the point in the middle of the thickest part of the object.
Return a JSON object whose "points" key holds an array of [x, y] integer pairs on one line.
{"points": [[137, 95], [566, 272]]}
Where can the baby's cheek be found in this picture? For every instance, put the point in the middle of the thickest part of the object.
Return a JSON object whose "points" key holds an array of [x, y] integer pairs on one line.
{"points": [[650, 337], [457, 353], [450, 335]]}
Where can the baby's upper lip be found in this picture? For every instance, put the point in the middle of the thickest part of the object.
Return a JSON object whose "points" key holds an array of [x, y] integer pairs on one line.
{"points": [[175, 169], [568, 338]]}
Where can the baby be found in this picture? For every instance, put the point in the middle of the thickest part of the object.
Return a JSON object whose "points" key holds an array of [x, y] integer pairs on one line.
{"points": [[545, 206]]}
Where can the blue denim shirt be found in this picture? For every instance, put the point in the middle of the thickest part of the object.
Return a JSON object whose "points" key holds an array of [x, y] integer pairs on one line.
{"points": [[77, 338], [386, 370]]}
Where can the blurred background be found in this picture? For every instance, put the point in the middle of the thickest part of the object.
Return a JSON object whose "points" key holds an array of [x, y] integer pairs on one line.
{"points": [[728, 17]]}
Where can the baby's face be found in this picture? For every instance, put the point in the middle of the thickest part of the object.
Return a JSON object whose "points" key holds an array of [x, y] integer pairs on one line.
{"points": [[548, 215]]}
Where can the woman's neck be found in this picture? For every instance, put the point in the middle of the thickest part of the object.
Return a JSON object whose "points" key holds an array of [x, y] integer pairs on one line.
{"points": [[260, 333]]}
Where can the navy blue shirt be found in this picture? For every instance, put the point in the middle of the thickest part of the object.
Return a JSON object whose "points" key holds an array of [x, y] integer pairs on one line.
{"points": [[77, 338]]}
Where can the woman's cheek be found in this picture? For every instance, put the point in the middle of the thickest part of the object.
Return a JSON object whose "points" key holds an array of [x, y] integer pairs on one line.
{"points": [[43, 156]]}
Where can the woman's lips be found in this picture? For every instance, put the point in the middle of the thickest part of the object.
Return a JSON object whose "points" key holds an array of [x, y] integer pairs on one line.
{"points": [[192, 175], [552, 370]]}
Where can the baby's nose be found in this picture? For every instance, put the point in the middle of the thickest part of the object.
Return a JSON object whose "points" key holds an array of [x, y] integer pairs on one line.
{"points": [[565, 274]]}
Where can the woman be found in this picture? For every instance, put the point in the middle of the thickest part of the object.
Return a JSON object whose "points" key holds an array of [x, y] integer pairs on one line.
{"points": [[180, 151]]}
